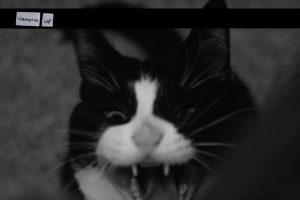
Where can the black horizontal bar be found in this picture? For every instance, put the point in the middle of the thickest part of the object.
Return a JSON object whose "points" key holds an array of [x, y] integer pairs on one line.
{"points": [[162, 18]]}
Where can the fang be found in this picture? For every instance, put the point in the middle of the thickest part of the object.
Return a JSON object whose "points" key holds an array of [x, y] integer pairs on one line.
{"points": [[166, 170], [134, 170]]}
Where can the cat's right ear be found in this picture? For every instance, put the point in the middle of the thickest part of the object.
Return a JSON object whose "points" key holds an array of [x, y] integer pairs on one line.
{"points": [[96, 57]]}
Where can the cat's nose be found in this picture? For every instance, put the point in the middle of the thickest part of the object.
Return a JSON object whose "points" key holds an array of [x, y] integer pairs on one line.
{"points": [[147, 137]]}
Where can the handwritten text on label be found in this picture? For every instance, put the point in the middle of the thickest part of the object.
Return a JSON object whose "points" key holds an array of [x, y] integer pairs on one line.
{"points": [[28, 19]]}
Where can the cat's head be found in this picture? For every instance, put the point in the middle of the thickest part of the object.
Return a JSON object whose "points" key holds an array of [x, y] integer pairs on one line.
{"points": [[156, 119]]}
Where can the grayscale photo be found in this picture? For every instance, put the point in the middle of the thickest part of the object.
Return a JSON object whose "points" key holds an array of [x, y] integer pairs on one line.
{"points": [[199, 113]]}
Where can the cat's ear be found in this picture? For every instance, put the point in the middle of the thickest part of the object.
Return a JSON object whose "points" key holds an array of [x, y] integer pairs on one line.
{"points": [[207, 50], [96, 57], [206, 54], [215, 4]]}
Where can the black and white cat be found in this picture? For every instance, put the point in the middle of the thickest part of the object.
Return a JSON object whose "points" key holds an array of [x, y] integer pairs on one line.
{"points": [[154, 129]]}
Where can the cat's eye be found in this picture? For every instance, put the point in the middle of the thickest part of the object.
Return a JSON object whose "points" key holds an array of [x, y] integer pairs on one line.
{"points": [[115, 117]]}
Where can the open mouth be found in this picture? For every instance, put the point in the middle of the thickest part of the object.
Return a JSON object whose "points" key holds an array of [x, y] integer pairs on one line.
{"points": [[158, 182]]}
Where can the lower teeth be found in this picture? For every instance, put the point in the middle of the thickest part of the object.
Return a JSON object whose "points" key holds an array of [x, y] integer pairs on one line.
{"points": [[135, 190], [182, 189], [183, 193]]}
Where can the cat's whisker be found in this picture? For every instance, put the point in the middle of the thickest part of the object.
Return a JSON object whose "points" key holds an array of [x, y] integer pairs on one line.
{"points": [[88, 117], [185, 75], [104, 167], [68, 186], [61, 164], [205, 165], [214, 144], [199, 76], [65, 189], [78, 146], [108, 71], [101, 79], [81, 148], [81, 131], [97, 75], [219, 120], [98, 82], [87, 136], [93, 163], [82, 156], [175, 109], [192, 86], [188, 75], [183, 124], [195, 63], [212, 155], [56, 130], [84, 133], [177, 115], [94, 81], [213, 103], [101, 159], [83, 143], [189, 165], [176, 112]]}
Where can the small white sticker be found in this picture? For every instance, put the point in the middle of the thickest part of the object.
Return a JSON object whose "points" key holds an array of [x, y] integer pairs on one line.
{"points": [[47, 20], [28, 19]]}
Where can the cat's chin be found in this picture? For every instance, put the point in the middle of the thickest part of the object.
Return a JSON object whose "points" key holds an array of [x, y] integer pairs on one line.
{"points": [[152, 183]]}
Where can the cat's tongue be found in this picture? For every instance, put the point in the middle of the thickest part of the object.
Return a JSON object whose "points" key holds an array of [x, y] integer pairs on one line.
{"points": [[159, 187]]}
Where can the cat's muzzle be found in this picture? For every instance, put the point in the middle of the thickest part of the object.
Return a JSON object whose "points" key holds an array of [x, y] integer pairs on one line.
{"points": [[163, 182]]}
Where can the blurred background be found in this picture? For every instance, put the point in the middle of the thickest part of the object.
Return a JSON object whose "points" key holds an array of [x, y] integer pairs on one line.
{"points": [[39, 85]]}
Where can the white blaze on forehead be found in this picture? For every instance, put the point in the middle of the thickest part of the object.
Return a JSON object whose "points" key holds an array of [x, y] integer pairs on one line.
{"points": [[145, 91]]}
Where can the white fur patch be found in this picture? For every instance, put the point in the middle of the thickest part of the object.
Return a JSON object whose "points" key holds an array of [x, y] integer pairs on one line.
{"points": [[96, 185], [145, 91], [117, 145]]}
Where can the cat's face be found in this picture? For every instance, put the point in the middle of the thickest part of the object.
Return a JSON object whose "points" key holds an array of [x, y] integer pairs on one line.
{"points": [[164, 122], [163, 115]]}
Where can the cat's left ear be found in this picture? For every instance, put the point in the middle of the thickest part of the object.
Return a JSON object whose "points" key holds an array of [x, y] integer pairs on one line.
{"points": [[206, 50], [96, 57], [206, 53], [208, 45]]}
